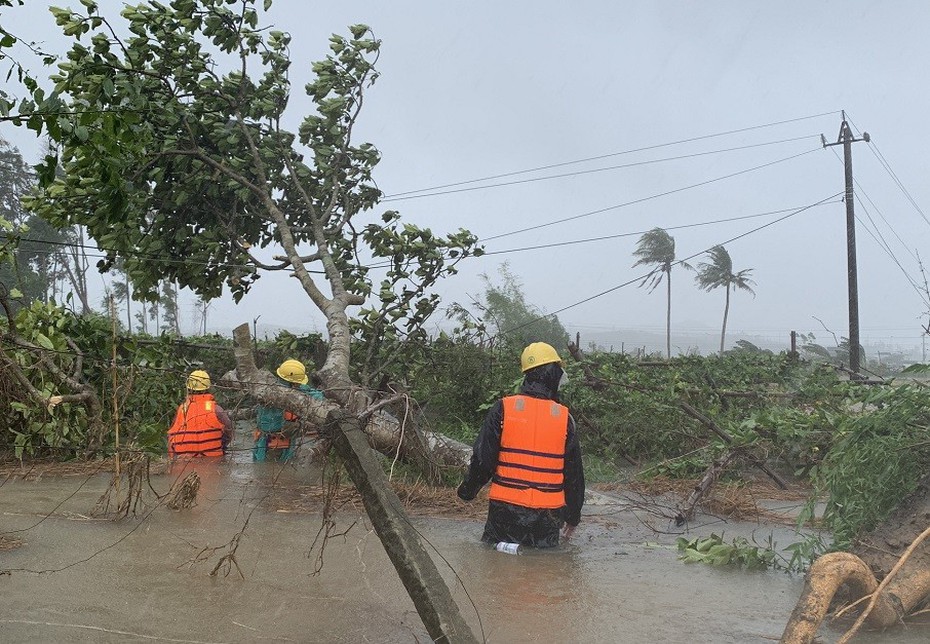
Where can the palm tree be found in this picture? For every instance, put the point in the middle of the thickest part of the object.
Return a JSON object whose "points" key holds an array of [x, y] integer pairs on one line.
{"points": [[657, 248], [719, 272]]}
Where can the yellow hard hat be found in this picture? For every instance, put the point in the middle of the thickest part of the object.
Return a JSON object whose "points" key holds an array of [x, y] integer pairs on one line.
{"points": [[293, 371], [538, 354], [198, 380]]}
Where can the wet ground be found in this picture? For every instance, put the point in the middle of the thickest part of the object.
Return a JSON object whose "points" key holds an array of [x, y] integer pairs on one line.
{"points": [[77, 578]]}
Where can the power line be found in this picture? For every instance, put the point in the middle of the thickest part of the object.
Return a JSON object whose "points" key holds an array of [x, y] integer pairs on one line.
{"points": [[885, 219], [582, 215], [676, 263], [654, 328], [604, 169], [614, 154], [384, 265], [890, 227], [880, 239], [884, 246], [887, 166], [620, 235], [655, 196], [897, 181]]}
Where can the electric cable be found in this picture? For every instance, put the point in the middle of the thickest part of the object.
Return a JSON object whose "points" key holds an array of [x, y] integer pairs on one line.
{"points": [[595, 170], [614, 154], [632, 234], [883, 245], [860, 189], [891, 173], [880, 239], [650, 197], [387, 264], [582, 215], [675, 263]]}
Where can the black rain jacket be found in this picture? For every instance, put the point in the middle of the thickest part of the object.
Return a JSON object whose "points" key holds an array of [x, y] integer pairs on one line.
{"points": [[515, 523]]}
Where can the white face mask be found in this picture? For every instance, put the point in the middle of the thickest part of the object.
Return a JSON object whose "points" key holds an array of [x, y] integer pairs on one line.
{"points": [[563, 380]]}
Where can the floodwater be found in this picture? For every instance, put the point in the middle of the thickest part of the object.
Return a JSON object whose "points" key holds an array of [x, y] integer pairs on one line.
{"points": [[81, 579]]}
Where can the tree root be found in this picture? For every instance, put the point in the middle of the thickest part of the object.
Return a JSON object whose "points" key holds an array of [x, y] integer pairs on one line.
{"points": [[889, 602], [823, 580]]}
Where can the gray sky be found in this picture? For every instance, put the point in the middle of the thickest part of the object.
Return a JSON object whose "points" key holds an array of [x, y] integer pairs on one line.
{"points": [[477, 89]]}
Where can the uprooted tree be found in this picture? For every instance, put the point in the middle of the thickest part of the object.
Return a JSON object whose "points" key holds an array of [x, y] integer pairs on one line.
{"points": [[176, 161], [886, 577], [879, 510]]}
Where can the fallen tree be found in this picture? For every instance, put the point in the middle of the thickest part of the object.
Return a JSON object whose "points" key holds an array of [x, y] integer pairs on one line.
{"points": [[896, 552], [44, 389], [416, 570], [176, 161], [717, 467], [384, 431]]}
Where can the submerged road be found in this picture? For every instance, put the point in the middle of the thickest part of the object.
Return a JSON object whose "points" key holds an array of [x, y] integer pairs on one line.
{"points": [[146, 578]]}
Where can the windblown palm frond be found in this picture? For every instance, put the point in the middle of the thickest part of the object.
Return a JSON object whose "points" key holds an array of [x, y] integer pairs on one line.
{"points": [[656, 248], [719, 272]]}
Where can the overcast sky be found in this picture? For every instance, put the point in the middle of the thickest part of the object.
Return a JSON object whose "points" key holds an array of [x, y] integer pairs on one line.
{"points": [[476, 89]]}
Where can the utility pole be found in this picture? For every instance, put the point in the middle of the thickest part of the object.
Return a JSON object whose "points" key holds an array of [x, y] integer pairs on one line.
{"points": [[846, 139]]}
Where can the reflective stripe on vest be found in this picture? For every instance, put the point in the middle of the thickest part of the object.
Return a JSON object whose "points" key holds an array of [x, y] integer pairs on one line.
{"points": [[531, 463], [197, 429]]}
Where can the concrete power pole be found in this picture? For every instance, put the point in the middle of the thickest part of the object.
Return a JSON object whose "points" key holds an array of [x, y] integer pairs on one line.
{"points": [[846, 139]]}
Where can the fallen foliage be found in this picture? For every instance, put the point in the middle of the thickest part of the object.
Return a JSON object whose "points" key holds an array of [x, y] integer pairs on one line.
{"points": [[419, 499], [733, 500], [9, 543]]}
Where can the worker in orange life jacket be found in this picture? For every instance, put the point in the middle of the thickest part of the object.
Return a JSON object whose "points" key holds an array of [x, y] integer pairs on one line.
{"points": [[276, 429], [528, 450], [201, 427]]}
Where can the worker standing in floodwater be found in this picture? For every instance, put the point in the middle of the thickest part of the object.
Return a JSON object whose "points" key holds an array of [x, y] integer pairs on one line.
{"points": [[527, 448], [201, 427], [276, 429]]}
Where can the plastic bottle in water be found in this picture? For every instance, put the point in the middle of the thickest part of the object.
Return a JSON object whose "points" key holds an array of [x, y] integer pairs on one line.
{"points": [[509, 548]]}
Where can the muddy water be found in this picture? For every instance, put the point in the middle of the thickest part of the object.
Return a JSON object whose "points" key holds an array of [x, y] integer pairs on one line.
{"points": [[80, 579]]}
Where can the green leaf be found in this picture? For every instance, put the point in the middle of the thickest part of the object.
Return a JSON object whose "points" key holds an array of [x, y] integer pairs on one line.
{"points": [[43, 341]]}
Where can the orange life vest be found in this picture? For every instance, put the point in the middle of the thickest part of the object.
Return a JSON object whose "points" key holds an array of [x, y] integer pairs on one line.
{"points": [[278, 440], [531, 464], [196, 430]]}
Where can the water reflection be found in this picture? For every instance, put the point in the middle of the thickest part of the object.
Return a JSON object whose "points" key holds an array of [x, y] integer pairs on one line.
{"points": [[607, 586]]}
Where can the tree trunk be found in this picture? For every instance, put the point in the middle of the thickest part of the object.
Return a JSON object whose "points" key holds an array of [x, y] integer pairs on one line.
{"points": [[896, 550], [81, 266], [177, 310], [726, 312], [713, 473], [76, 267], [128, 306], [424, 584], [144, 318], [714, 427], [668, 317], [824, 578]]}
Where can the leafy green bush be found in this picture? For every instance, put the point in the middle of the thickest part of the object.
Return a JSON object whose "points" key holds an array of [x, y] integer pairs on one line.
{"points": [[880, 452], [30, 425], [454, 381], [714, 551], [137, 394], [309, 349]]}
